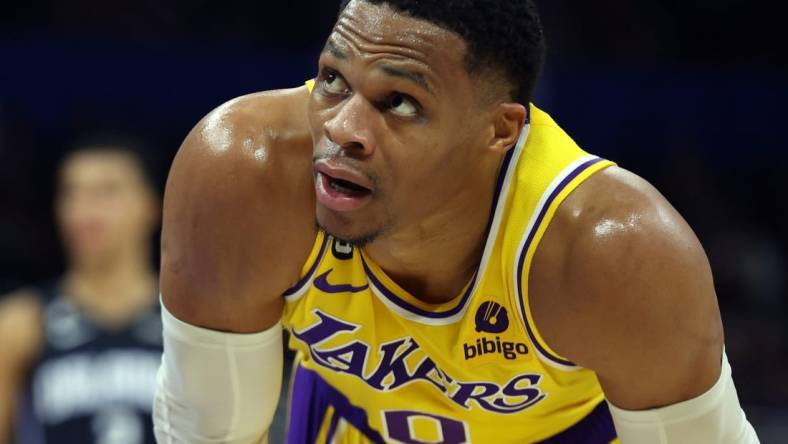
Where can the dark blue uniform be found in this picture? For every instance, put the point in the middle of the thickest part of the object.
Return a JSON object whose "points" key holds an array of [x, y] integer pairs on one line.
{"points": [[91, 384]]}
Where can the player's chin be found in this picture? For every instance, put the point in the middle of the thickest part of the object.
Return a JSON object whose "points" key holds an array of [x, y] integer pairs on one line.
{"points": [[354, 228]]}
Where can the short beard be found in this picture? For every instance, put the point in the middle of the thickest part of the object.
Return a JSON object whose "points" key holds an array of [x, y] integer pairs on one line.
{"points": [[356, 242]]}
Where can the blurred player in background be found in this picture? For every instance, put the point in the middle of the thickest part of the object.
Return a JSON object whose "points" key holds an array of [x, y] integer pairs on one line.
{"points": [[79, 354]]}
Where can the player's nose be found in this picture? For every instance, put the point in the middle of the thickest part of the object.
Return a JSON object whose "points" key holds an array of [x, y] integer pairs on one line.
{"points": [[351, 127]]}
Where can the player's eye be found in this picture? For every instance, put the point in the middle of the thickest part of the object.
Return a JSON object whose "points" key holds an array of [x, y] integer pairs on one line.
{"points": [[403, 105], [333, 83]]}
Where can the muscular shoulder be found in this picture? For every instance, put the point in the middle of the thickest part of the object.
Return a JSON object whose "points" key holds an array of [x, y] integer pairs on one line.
{"points": [[252, 151], [239, 210], [629, 273], [262, 130], [618, 219]]}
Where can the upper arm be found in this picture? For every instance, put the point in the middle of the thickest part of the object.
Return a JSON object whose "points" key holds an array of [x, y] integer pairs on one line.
{"points": [[238, 218], [21, 332], [639, 287], [20, 329]]}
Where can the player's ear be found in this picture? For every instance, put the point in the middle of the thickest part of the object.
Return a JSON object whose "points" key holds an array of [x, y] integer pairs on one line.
{"points": [[509, 121]]}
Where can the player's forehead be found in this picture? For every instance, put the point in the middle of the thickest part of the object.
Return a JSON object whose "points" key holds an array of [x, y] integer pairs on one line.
{"points": [[99, 165], [367, 30]]}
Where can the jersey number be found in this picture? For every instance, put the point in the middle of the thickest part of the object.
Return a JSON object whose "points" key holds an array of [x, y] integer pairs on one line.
{"points": [[408, 427]]}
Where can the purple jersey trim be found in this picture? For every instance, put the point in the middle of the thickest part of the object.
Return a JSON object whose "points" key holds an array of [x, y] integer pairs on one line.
{"points": [[412, 308], [309, 401], [305, 279], [527, 245], [596, 428], [391, 296]]}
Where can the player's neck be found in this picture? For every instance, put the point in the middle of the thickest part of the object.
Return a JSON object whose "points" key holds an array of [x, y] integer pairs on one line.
{"points": [[436, 258], [113, 290]]}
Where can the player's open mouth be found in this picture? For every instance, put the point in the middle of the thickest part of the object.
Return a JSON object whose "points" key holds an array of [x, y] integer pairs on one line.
{"points": [[341, 189], [347, 187]]}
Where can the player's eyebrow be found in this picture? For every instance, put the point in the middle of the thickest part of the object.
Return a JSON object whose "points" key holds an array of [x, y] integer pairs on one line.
{"points": [[334, 50], [413, 76]]}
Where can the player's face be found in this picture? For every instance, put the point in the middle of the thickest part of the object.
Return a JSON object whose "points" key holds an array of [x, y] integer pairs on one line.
{"points": [[395, 121], [103, 206]]}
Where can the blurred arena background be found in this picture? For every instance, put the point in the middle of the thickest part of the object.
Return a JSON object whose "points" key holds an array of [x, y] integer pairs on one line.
{"points": [[689, 94]]}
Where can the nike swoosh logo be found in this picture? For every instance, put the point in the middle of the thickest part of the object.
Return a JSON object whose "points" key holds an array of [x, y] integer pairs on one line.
{"points": [[321, 282]]}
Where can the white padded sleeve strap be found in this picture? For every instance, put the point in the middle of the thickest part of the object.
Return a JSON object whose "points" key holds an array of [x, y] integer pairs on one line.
{"points": [[216, 387], [714, 417]]}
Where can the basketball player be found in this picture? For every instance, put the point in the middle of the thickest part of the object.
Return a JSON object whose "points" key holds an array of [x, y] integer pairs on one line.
{"points": [[475, 277], [80, 355]]}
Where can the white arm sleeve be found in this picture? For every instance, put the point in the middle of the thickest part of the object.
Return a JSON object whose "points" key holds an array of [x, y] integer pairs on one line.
{"points": [[215, 387], [714, 417]]}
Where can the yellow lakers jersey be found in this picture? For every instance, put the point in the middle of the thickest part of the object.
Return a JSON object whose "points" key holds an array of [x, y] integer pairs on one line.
{"points": [[375, 364]]}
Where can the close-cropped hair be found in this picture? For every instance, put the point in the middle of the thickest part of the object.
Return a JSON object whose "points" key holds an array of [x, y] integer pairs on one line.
{"points": [[503, 35]]}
